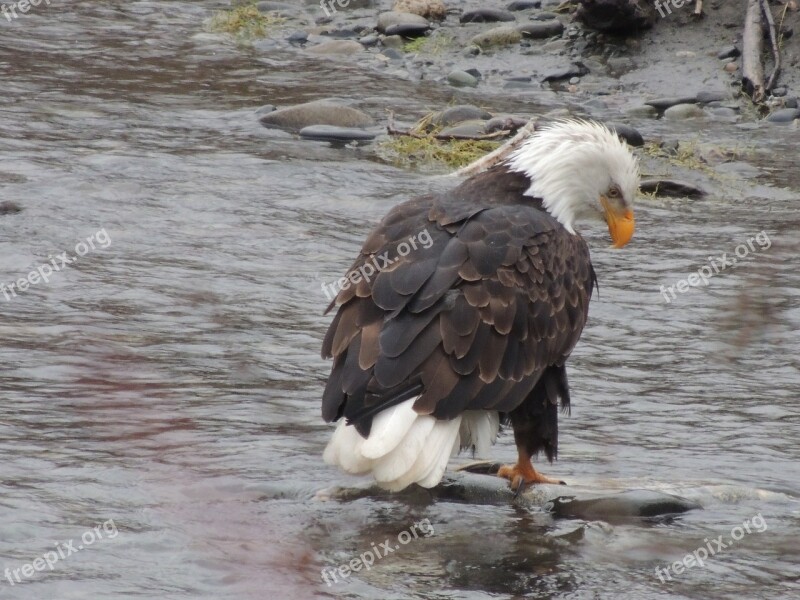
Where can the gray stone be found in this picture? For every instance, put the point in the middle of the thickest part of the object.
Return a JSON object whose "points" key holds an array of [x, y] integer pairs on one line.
{"points": [[524, 4], [368, 40], [784, 115], [728, 52], [683, 111], [7, 207], [265, 110], [790, 102], [497, 37], [297, 37], [337, 47], [393, 41], [541, 30], [409, 21], [461, 79], [487, 15], [544, 16], [630, 134], [645, 110], [330, 133], [318, 112], [664, 103], [574, 70], [459, 114], [711, 96]]}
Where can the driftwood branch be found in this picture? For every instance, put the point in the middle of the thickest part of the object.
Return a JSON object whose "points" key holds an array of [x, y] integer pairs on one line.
{"points": [[502, 152], [776, 50], [391, 129], [752, 69]]}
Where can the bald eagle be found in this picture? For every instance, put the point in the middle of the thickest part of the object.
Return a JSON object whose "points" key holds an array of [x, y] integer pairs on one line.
{"points": [[435, 346]]}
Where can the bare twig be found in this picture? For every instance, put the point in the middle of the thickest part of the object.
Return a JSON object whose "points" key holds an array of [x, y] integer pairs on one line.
{"points": [[698, 8], [776, 50]]}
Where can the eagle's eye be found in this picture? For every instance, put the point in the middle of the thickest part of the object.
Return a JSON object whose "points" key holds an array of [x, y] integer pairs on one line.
{"points": [[613, 192]]}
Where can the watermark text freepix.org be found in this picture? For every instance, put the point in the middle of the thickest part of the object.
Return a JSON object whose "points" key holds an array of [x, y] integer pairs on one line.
{"points": [[377, 264], [329, 8], [717, 265], [10, 10], [367, 559], [756, 524], [65, 549], [43, 272]]}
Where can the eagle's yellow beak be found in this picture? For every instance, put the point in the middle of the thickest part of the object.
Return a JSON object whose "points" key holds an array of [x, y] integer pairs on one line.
{"points": [[620, 224]]}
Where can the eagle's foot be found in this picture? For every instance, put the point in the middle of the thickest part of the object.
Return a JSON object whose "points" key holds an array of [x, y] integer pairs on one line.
{"points": [[523, 474]]}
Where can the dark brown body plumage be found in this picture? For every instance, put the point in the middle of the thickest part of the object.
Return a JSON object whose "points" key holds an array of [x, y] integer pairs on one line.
{"points": [[483, 319]]}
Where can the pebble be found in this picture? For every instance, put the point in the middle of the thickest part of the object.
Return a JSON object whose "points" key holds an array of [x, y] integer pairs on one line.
{"points": [[402, 23], [462, 79], [318, 112], [393, 41], [664, 103], [330, 133], [393, 54], [496, 37], [784, 115], [728, 52], [297, 37], [731, 67], [487, 15], [7, 207], [706, 97], [630, 134], [524, 4], [724, 111], [541, 30], [343, 47], [683, 111], [368, 40], [575, 80], [459, 114], [544, 16], [779, 91], [790, 102], [573, 70]]}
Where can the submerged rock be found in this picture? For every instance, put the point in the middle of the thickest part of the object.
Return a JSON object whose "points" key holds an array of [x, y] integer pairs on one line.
{"points": [[628, 504], [576, 69], [318, 112], [7, 207], [665, 103], [331, 133], [616, 16], [671, 187], [476, 484]]}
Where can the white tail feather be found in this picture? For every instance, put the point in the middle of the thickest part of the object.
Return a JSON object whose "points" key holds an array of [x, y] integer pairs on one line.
{"points": [[389, 427], [404, 447]]}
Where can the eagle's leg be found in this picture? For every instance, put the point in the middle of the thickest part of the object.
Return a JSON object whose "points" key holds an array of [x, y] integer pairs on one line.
{"points": [[523, 473]]}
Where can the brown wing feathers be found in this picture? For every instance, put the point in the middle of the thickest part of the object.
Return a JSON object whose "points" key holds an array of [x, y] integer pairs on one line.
{"points": [[472, 322]]}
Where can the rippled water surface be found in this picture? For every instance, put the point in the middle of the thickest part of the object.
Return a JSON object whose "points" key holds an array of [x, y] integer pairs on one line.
{"points": [[167, 383]]}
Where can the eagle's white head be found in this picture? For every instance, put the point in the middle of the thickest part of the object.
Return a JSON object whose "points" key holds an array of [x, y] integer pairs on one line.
{"points": [[581, 169]]}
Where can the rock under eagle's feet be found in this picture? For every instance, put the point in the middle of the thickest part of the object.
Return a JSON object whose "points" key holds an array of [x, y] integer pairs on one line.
{"points": [[521, 475]]}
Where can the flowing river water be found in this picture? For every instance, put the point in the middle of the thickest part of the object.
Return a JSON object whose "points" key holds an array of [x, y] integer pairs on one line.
{"points": [[165, 386]]}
